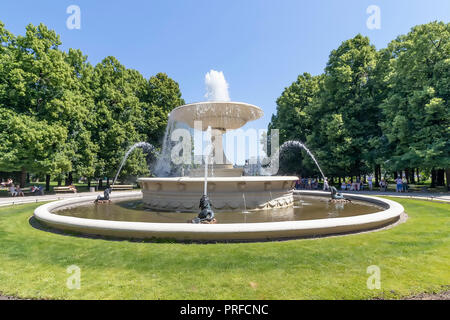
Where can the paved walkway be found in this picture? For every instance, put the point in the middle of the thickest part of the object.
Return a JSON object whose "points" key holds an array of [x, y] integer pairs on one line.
{"points": [[437, 196], [52, 197], [442, 196]]}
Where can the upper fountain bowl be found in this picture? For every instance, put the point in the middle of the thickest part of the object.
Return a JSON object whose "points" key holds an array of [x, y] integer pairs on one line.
{"points": [[217, 114]]}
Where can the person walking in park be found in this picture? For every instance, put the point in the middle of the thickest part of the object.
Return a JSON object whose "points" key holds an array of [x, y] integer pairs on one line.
{"points": [[399, 182], [369, 180], [405, 184], [383, 185], [358, 184], [297, 183], [325, 185]]}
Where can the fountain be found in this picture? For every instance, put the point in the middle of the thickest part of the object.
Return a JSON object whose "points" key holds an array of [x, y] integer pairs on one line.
{"points": [[232, 206], [226, 187]]}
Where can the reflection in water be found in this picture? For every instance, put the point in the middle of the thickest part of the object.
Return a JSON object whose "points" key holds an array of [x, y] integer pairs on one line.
{"points": [[305, 208]]}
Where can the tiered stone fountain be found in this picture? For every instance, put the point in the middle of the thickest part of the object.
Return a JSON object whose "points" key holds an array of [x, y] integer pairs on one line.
{"points": [[228, 189]]}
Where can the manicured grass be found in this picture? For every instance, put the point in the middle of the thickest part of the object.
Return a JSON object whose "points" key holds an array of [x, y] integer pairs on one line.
{"points": [[413, 257]]}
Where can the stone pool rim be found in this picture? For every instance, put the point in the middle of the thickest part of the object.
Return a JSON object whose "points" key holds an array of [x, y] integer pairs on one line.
{"points": [[219, 232]]}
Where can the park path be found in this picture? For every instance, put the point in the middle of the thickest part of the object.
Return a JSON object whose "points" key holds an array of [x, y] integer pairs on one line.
{"points": [[6, 201], [434, 196], [442, 196]]}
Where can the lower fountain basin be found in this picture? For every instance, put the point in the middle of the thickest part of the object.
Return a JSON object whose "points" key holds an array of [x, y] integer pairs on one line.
{"points": [[226, 193], [218, 232]]}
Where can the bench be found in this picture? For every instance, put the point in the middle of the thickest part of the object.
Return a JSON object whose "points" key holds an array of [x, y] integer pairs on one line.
{"points": [[65, 189], [122, 187]]}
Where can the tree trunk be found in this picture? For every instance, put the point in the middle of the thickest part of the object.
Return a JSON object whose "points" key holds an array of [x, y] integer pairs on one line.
{"points": [[89, 183], [447, 177], [23, 178], [59, 181], [377, 177], [47, 182], [69, 179], [440, 178], [100, 183], [433, 178], [379, 173], [107, 181], [411, 176]]}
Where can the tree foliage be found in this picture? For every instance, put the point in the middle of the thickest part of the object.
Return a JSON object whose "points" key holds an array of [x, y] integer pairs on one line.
{"points": [[375, 108], [60, 114]]}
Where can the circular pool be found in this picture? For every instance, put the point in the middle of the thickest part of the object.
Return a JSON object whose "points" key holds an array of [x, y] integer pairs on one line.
{"points": [[312, 215]]}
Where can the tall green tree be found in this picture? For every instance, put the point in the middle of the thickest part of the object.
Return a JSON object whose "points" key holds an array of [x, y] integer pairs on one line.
{"points": [[162, 95], [37, 86], [342, 118], [417, 122], [293, 122], [118, 113]]}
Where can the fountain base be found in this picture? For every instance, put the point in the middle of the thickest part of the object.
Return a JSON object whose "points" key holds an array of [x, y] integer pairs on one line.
{"points": [[226, 193]]}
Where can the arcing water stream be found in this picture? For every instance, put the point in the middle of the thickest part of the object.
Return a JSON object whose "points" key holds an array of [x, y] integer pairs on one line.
{"points": [[147, 147], [297, 144]]}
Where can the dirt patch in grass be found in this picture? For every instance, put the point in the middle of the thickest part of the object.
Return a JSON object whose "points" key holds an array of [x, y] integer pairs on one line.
{"points": [[445, 295], [8, 298]]}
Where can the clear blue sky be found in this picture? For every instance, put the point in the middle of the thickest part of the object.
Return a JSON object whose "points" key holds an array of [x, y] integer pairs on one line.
{"points": [[260, 45]]}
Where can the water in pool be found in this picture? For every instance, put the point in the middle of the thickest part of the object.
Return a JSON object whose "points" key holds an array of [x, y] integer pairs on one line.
{"points": [[305, 208]]}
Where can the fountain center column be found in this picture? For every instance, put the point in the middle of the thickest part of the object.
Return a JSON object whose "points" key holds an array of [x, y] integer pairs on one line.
{"points": [[219, 158], [221, 167]]}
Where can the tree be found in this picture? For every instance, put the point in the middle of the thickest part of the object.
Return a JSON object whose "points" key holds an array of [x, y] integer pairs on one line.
{"points": [[36, 87], [416, 110], [293, 122], [162, 95], [96, 113], [342, 118], [118, 113], [28, 143]]}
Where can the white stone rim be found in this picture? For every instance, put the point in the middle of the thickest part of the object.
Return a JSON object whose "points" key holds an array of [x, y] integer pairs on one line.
{"points": [[44, 214]]}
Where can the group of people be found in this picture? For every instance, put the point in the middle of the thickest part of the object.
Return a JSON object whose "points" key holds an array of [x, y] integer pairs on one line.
{"points": [[357, 185], [402, 184], [307, 184], [15, 190]]}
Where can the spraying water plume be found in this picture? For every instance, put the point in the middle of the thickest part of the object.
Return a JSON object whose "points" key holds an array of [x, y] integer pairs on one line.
{"points": [[290, 144], [146, 147], [216, 86]]}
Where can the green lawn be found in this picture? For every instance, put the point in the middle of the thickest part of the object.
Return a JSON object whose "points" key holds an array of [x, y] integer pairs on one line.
{"points": [[413, 257]]}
